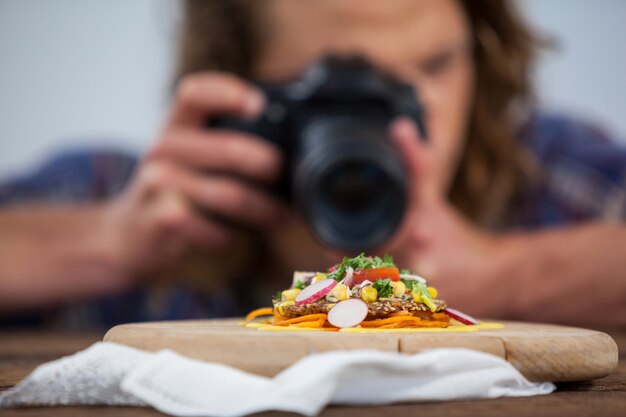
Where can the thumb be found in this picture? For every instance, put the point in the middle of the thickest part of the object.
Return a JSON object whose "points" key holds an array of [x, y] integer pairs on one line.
{"points": [[418, 158]]}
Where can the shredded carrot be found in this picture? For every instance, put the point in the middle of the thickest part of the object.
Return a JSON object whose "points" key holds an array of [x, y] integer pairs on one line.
{"points": [[330, 329], [308, 317], [428, 323], [409, 325], [278, 317], [440, 316], [430, 316], [389, 326], [312, 324], [265, 311], [425, 323], [388, 320], [402, 321]]}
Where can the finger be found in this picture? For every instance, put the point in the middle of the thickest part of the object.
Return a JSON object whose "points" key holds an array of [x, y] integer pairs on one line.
{"points": [[417, 158], [222, 151], [405, 135], [238, 201], [202, 95], [206, 233], [176, 219], [222, 196], [414, 151]]}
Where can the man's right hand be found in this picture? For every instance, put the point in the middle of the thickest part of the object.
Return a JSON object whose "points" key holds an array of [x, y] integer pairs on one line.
{"points": [[195, 176]]}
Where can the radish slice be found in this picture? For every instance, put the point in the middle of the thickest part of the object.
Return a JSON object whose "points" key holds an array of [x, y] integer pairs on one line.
{"points": [[315, 291], [347, 313], [347, 279], [462, 317]]}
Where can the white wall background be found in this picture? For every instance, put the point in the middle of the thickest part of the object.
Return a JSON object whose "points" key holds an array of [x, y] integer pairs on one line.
{"points": [[78, 72], [586, 74]]}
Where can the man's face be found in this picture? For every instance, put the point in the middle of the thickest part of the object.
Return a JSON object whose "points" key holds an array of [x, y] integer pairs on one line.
{"points": [[427, 43]]}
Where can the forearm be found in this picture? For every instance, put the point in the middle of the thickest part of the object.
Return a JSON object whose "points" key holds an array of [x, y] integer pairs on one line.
{"points": [[48, 256], [571, 275]]}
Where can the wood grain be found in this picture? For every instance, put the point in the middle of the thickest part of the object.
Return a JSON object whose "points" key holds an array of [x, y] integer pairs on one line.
{"points": [[606, 397], [541, 352]]}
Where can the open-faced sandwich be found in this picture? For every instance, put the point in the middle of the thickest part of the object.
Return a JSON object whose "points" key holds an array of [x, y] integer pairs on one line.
{"points": [[369, 292]]}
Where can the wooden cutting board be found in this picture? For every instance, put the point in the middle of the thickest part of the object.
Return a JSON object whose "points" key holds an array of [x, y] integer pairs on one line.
{"points": [[541, 352]]}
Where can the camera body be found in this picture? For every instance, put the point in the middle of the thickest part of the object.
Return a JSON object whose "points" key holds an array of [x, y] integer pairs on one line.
{"points": [[340, 169]]}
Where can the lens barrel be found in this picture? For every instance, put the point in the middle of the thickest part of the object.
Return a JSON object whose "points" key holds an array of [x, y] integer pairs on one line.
{"points": [[349, 182]]}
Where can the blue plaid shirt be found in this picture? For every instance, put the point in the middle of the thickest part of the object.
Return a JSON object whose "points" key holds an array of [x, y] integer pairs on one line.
{"points": [[584, 174], [585, 179]]}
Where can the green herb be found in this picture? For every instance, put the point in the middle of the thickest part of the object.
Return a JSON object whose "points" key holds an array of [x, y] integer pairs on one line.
{"points": [[360, 262], [300, 285], [383, 286], [410, 283], [278, 296], [338, 274], [417, 287], [387, 261], [405, 271]]}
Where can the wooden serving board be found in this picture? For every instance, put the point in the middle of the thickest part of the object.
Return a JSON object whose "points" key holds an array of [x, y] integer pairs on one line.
{"points": [[541, 352]]}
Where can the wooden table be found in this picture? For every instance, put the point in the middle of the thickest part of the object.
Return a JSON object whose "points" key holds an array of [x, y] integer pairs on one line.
{"points": [[21, 352]]}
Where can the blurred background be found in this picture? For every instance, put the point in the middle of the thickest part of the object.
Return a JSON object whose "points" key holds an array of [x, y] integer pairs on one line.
{"points": [[88, 73]]}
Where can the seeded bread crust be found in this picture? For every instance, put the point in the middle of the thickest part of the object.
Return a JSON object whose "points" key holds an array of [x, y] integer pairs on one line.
{"points": [[377, 309]]}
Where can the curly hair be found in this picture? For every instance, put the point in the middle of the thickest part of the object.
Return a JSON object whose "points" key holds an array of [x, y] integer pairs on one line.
{"points": [[226, 35]]}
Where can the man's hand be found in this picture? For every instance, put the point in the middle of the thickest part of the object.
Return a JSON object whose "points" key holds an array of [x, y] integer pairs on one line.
{"points": [[196, 180], [435, 240], [186, 193]]}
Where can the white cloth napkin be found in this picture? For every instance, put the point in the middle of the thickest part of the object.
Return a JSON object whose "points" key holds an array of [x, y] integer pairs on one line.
{"points": [[108, 373]]}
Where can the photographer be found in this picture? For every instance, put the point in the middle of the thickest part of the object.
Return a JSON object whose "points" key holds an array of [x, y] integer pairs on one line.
{"points": [[512, 213]]}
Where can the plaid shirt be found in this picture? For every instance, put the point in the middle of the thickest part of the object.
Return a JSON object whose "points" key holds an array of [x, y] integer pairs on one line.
{"points": [[584, 178], [584, 174]]}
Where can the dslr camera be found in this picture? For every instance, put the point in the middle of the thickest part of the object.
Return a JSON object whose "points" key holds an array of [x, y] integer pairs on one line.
{"points": [[341, 171]]}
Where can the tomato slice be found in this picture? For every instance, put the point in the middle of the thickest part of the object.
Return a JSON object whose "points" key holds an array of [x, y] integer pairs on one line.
{"points": [[374, 274]]}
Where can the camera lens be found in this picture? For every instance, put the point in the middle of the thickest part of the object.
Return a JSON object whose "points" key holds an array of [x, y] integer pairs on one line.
{"points": [[351, 187]]}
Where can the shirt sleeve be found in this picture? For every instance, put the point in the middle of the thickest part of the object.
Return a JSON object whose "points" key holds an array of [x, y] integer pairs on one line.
{"points": [[582, 171], [74, 176]]}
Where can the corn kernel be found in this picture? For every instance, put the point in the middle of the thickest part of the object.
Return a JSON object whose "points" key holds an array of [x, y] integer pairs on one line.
{"points": [[318, 277], [369, 294], [433, 292], [281, 306], [398, 288], [289, 295], [417, 296], [340, 292]]}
